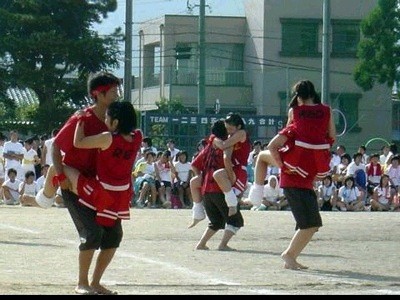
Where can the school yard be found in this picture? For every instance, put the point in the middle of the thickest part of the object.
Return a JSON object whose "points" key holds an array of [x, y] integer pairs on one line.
{"points": [[353, 253]]}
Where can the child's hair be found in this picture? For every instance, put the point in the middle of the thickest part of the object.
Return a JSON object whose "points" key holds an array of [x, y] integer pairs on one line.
{"points": [[29, 174], [125, 113], [11, 171], [183, 152], [235, 119], [304, 89], [101, 82], [349, 178], [329, 177], [219, 130]]}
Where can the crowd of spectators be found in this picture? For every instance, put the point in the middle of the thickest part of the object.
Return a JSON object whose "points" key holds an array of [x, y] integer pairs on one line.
{"points": [[359, 181]]}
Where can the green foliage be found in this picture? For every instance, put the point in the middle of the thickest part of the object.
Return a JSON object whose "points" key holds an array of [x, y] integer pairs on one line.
{"points": [[174, 106], [379, 50], [50, 47]]}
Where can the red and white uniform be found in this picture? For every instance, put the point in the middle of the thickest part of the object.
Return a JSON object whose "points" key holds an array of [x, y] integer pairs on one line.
{"points": [[208, 161], [84, 160], [307, 152], [240, 154], [111, 191]]}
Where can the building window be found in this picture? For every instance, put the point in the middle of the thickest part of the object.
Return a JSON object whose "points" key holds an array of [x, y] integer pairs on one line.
{"points": [[300, 37], [347, 103], [345, 38]]}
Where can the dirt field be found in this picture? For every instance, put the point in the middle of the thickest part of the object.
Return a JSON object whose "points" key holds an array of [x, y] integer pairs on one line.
{"points": [[353, 253]]}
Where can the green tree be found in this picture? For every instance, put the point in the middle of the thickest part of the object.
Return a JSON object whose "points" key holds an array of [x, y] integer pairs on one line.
{"points": [[50, 47], [379, 50]]}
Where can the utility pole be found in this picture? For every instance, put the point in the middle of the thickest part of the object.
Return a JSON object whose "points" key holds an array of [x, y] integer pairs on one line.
{"points": [[128, 51], [201, 80], [201, 98], [325, 51]]}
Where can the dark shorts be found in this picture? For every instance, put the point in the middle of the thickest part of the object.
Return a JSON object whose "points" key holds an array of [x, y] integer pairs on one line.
{"points": [[163, 183], [217, 212], [304, 206], [91, 234]]}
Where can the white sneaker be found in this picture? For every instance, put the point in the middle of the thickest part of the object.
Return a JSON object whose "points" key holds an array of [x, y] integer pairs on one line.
{"points": [[256, 195]]}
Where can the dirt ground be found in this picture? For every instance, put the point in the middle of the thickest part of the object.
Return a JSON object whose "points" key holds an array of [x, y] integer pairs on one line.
{"points": [[353, 253]]}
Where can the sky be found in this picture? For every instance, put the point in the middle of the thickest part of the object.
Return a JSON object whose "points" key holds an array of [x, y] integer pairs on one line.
{"points": [[144, 10]]}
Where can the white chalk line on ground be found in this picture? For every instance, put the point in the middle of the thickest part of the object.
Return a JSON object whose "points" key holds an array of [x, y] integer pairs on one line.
{"points": [[19, 229], [202, 278]]}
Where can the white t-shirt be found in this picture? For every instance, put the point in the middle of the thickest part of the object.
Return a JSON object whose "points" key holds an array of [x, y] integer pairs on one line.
{"points": [[40, 182], [383, 194], [30, 189], [28, 162], [183, 170], [17, 148], [13, 187], [348, 195], [49, 145]]}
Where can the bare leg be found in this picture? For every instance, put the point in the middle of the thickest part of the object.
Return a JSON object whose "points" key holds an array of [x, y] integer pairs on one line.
{"points": [[299, 241], [85, 260], [223, 246], [102, 262], [207, 235]]}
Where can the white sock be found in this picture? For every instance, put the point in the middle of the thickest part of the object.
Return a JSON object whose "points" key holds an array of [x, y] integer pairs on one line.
{"points": [[256, 194], [230, 198], [198, 210]]}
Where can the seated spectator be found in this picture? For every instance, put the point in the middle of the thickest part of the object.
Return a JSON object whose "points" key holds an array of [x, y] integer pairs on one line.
{"points": [[374, 172], [382, 198], [164, 171], [145, 182], [28, 189], [10, 188], [340, 170], [349, 196], [393, 171], [182, 175], [41, 180], [273, 197], [327, 194]]}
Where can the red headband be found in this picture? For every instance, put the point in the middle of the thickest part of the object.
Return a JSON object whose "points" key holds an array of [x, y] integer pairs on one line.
{"points": [[102, 89]]}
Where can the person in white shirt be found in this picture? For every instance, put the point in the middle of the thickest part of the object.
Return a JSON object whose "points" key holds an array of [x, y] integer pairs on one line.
{"points": [[41, 180], [356, 164], [273, 197], [251, 160], [172, 149], [182, 175], [13, 154], [46, 158], [28, 189], [393, 171], [10, 188], [30, 159]]}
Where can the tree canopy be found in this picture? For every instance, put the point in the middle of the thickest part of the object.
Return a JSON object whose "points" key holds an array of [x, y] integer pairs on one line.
{"points": [[379, 49], [51, 47]]}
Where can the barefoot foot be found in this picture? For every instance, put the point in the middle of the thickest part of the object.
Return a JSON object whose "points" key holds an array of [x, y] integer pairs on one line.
{"points": [[101, 290], [84, 290], [201, 247], [291, 263], [195, 222], [226, 248]]}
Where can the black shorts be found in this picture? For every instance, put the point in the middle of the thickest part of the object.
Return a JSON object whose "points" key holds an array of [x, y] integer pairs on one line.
{"points": [[304, 206], [217, 212], [91, 234]]}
